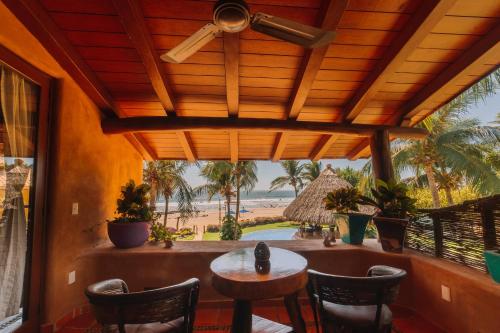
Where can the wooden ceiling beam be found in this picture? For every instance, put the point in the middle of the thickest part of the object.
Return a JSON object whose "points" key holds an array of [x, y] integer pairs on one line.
{"points": [[483, 50], [175, 124], [329, 18], [34, 17], [420, 25], [132, 19], [232, 63], [233, 146], [322, 147], [311, 62], [186, 144], [362, 149], [279, 146]]}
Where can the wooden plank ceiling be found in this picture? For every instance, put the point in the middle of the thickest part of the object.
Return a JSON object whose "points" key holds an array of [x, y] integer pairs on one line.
{"points": [[393, 62]]}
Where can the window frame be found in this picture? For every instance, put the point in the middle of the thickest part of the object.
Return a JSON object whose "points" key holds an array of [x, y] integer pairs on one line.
{"points": [[36, 256]]}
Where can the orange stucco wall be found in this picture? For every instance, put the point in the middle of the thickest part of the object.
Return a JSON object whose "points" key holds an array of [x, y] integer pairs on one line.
{"points": [[89, 168]]}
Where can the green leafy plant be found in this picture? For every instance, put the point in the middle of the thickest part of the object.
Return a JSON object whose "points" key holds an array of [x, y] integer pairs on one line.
{"points": [[230, 230], [132, 206], [391, 199], [343, 200], [161, 233]]}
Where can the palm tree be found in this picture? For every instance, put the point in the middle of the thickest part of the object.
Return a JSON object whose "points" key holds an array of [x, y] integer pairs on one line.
{"points": [[350, 175], [244, 177], [219, 177], [311, 171], [166, 179], [452, 151], [293, 177]]}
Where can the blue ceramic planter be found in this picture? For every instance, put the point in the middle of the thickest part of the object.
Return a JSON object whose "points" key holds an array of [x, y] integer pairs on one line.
{"points": [[352, 228], [493, 263]]}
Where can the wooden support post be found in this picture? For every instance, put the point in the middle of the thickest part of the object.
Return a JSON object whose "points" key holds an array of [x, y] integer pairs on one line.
{"points": [[381, 156]]}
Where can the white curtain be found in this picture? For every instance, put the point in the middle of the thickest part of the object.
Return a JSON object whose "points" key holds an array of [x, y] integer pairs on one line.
{"points": [[18, 101]]}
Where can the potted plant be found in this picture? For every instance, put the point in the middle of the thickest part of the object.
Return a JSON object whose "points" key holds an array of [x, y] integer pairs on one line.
{"points": [[492, 258], [160, 233], [131, 227], [351, 223], [395, 208]]}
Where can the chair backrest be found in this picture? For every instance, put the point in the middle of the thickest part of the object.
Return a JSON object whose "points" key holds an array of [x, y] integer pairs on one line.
{"points": [[113, 304], [380, 286]]}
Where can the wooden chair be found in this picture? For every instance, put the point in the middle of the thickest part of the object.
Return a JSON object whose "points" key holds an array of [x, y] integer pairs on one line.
{"points": [[354, 304], [164, 310]]}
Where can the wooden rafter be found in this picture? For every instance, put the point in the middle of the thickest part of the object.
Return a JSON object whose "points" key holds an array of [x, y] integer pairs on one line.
{"points": [[187, 145], [174, 124], [279, 146], [421, 24], [485, 48], [39, 23], [311, 63], [362, 149], [231, 63], [312, 60], [322, 147], [132, 20], [233, 146]]}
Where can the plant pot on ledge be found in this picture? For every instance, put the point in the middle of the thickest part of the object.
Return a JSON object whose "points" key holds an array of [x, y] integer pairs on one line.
{"points": [[391, 232], [352, 227], [128, 235], [132, 225], [492, 258]]}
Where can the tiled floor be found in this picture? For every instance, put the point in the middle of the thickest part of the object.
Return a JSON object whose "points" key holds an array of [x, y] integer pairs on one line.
{"points": [[218, 320]]}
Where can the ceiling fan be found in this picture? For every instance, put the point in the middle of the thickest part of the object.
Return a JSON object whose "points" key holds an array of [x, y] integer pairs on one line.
{"points": [[234, 16]]}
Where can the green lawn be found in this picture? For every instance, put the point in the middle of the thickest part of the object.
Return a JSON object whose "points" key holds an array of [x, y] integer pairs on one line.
{"points": [[213, 236]]}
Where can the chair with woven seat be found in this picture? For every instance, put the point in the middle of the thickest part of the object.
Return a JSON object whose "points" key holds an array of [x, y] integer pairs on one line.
{"points": [[164, 310], [355, 304]]}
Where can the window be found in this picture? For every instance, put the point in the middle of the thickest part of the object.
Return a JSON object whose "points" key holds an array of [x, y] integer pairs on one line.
{"points": [[23, 154]]}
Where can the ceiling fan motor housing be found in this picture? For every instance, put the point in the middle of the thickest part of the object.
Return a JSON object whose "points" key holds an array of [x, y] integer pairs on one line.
{"points": [[231, 15]]}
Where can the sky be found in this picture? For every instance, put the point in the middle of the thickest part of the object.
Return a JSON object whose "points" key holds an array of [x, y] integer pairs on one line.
{"points": [[267, 170]]}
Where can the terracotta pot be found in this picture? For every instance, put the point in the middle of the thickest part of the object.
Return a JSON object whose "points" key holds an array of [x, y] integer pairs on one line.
{"points": [[127, 235], [392, 232], [492, 258], [352, 227], [169, 243]]}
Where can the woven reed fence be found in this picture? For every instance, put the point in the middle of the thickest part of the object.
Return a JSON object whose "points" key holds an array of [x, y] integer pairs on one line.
{"points": [[458, 233]]}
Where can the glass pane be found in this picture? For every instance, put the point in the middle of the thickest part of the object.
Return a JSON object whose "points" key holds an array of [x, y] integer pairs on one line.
{"points": [[18, 121]]}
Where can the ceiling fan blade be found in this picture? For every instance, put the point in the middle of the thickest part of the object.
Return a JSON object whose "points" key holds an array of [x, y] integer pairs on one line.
{"points": [[192, 44], [291, 31]]}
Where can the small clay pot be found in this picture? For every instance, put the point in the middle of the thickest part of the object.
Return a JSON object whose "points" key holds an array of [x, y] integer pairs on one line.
{"points": [[169, 243]]}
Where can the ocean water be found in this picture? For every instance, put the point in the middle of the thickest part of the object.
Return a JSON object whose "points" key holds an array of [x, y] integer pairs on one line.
{"points": [[253, 199]]}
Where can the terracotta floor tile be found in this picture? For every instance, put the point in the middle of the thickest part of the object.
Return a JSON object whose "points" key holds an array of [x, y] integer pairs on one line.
{"points": [[225, 316], [268, 312], [206, 317]]}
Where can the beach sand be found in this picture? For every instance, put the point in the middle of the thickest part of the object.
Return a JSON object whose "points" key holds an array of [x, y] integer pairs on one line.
{"points": [[212, 217]]}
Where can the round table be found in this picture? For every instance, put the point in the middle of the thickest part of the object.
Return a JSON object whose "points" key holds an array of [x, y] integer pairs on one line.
{"points": [[235, 276]]}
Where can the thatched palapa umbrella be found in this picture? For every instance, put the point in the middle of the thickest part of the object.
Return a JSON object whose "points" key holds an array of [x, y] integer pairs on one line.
{"points": [[309, 206]]}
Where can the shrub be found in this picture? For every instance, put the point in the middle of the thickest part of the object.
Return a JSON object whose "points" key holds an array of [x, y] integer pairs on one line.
{"points": [[160, 233], [231, 230], [213, 228]]}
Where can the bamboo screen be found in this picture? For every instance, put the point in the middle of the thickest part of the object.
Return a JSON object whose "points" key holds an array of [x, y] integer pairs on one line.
{"points": [[458, 233]]}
